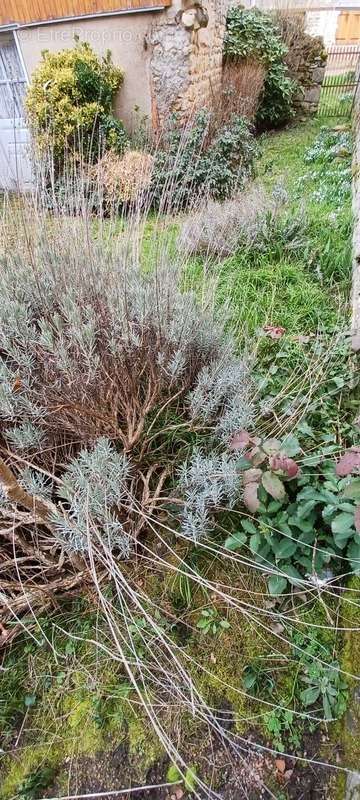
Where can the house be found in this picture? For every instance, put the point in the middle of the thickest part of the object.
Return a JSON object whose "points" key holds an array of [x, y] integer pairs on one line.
{"points": [[170, 51], [337, 22]]}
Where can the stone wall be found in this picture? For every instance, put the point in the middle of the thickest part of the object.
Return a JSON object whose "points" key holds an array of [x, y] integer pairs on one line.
{"points": [[306, 59], [308, 98], [186, 62]]}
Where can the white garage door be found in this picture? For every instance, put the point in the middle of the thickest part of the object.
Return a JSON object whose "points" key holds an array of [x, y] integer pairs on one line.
{"points": [[15, 171]]}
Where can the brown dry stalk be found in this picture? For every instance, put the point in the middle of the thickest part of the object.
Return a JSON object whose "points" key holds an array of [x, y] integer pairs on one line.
{"points": [[16, 494], [38, 599]]}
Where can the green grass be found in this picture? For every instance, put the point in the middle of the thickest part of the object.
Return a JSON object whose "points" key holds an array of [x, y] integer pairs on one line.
{"points": [[304, 289], [337, 95]]}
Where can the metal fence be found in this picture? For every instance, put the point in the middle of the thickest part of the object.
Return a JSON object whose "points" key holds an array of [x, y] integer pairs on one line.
{"points": [[342, 77]]}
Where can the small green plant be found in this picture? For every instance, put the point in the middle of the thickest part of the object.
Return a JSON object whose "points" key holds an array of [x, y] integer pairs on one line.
{"points": [[35, 783], [324, 683], [183, 585], [211, 623], [283, 728], [141, 631], [320, 673], [318, 688], [174, 775], [258, 678]]}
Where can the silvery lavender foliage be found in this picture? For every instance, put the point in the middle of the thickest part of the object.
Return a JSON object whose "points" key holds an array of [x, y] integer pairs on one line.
{"points": [[92, 346], [222, 396], [25, 436], [219, 229], [36, 483], [206, 482], [95, 488]]}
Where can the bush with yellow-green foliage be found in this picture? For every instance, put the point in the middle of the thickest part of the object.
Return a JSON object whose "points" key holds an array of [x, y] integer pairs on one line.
{"points": [[70, 103]]}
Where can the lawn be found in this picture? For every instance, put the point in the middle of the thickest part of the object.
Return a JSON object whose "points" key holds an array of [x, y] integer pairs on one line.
{"points": [[300, 281]]}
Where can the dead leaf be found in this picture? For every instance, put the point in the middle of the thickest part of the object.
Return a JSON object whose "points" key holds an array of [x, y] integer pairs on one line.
{"points": [[274, 331], [17, 385], [240, 440], [276, 627], [280, 765], [349, 462]]}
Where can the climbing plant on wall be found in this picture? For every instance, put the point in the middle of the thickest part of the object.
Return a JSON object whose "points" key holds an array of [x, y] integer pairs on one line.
{"points": [[254, 34]]}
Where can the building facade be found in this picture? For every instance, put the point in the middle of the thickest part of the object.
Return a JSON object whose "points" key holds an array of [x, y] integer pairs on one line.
{"points": [[170, 51]]}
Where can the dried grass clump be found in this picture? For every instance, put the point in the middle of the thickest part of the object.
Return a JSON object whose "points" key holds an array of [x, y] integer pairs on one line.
{"points": [[125, 178], [242, 85], [219, 229]]}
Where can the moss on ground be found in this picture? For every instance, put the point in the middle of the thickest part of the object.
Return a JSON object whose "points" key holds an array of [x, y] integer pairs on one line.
{"points": [[350, 662]]}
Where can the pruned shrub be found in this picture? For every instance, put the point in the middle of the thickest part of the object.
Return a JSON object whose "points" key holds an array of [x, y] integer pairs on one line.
{"points": [[253, 221], [254, 34], [70, 104], [123, 178], [199, 160]]}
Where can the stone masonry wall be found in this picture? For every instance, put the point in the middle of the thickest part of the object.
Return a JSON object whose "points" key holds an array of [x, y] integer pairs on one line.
{"points": [[306, 59], [186, 65], [308, 99]]}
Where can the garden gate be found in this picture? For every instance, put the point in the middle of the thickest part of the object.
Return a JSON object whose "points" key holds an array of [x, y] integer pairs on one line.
{"points": [[341, 82]]}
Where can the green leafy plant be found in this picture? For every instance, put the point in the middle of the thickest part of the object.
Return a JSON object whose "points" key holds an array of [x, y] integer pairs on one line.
{"points": [[258, 678], [313, 415], [211, 623], [196, 160], [174, 775], [307, 521], [35, 783], [324, 683], [321, 674], [69, 103], [183, 585], [282, 726], [252, 33], [318, 688]]}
